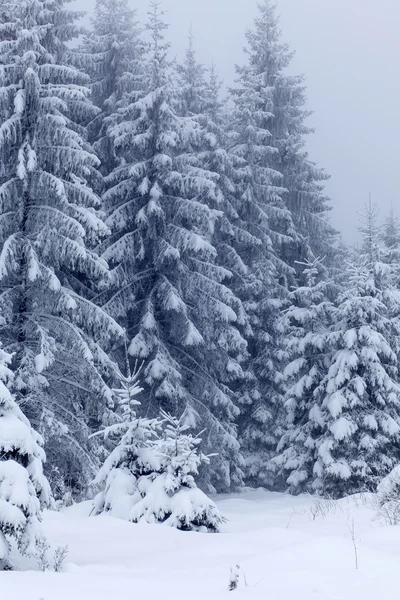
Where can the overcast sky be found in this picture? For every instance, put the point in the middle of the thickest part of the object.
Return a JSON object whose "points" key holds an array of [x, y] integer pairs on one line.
{"points": [[349, 51]]}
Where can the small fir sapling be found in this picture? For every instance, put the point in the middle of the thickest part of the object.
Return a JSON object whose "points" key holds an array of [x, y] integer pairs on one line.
{"points": [[172, 496], [131, 457]]}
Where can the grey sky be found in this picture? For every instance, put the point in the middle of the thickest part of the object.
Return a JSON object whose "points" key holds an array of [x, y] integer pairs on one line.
{"points": [[349, 51]]}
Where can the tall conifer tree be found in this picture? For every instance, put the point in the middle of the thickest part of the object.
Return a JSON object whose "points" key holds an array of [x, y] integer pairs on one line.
{"points": [[283, 207], [112, 54], [302, 179], [269, 236], [306, 324], [172, 296], [49, 224]]}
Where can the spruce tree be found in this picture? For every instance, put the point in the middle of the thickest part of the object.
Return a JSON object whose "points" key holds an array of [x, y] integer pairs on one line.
{"points": [[284, 208], [112, 54], [231, 238], [49, 225], [306, 326], [269, 233], [359, 398], [131, 458], [391, 231], [200, 99], [172, 296], [302, 179], [390, 238], [192, 81], [172, 496]]}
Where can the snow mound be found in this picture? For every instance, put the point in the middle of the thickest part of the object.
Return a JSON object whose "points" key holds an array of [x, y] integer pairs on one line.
{"points": [[286, 547]]}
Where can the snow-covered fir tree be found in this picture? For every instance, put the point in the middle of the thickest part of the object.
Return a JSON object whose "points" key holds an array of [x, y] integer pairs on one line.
{"points": [[306, 325], [390, 236], [391, 230], [370, 231], [200, 98], [172, 497], [283, 208], [230, 236], [302, 179], [359, 398], [112, 53], [171, 295], [388, 497], [192, 81], [269, 231], [132, 456], [48, 225], [24, 490]]}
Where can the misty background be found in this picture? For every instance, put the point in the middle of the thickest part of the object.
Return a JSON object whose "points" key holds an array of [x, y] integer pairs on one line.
{"points": [[348, 50]]}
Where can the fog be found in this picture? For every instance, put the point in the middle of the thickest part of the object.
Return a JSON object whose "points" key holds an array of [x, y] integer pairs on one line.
{"points": [[349, 51]]}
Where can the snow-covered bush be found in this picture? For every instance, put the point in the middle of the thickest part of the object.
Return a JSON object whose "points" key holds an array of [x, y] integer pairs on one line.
{"points": [[62, 494], [234, 578], [172, 497], [49, 558], [131, 457], [42, 555], [60, 554], [388, 496], [24, 490]]}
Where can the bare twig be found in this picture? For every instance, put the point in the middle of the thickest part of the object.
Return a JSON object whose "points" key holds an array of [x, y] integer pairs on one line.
{"points": [[353, 538]]}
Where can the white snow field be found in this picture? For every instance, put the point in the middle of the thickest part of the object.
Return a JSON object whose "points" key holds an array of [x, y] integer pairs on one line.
{"points": [[287, 548]]}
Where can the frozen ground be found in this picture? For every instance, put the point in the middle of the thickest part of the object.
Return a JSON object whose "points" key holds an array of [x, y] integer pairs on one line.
{"points": [[287, 548]]}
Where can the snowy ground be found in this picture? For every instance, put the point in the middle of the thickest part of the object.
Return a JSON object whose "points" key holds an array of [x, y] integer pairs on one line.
{"points": [[286, 547]]}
